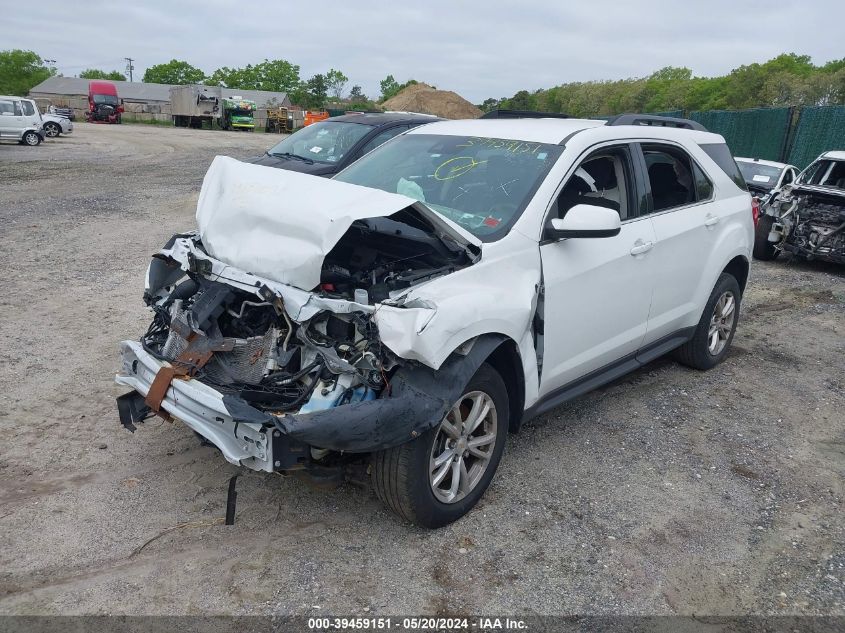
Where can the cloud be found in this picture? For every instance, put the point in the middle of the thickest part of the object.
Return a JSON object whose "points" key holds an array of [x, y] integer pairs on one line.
{"points": [[478, 49]]}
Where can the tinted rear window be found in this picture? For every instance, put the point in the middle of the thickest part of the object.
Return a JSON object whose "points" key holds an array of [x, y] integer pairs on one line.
{"points": [[721, 155]]}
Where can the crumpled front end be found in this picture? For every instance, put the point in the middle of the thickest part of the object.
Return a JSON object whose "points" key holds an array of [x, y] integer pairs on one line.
{"points": [[309, 319], [809, 222], [275, 377]]}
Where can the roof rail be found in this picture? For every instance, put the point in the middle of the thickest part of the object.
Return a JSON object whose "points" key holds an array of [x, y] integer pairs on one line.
{"points": [[653, 119], [522, 114]]}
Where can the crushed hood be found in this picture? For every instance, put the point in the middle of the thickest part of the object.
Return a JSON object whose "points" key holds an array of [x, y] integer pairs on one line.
{"points": [[282, 224]]}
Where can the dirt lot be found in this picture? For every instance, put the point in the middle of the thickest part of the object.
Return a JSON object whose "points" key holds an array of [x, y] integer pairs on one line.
{"points": [[670, 491]]}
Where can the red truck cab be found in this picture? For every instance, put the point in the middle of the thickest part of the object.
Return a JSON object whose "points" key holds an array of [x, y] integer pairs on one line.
{"points": [[103, 103]]}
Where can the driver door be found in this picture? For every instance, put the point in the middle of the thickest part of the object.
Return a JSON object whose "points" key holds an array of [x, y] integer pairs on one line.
{"points": [[597, 290]]}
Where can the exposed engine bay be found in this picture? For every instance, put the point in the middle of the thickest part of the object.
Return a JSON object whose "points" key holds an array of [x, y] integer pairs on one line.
{"points": [[260, 355], [809, 222], [257, 352], [379, 257]]}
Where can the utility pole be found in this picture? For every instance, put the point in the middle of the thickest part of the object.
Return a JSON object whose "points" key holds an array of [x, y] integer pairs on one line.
{"points": [[129, 66]]}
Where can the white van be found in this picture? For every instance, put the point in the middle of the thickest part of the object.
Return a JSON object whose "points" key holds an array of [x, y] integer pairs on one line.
{"points": [[20, 120]]}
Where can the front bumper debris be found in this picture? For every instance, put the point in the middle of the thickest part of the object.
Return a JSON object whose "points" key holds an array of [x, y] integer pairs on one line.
{"points": [[419, 398], [200, 407]]}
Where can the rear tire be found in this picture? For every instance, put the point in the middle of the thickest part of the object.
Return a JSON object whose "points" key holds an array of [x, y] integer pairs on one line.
{"points": [[405, 478], [764, 250], [715, 331]]}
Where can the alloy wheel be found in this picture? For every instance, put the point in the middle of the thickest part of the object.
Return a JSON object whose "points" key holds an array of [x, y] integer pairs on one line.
{"points": [[721, 323], [463, 447]]}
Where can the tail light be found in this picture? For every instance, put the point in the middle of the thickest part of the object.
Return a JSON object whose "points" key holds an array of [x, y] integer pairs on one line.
{"points": [[755, 209]]}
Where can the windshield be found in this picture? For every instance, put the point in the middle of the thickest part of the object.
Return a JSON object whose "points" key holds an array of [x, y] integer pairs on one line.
{"points": [[827, 173], [324, 142], [107, 99], [483, 184], [757, 175]]}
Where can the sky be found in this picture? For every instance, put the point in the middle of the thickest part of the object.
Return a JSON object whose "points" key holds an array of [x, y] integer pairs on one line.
{"points": [[478, 49]]}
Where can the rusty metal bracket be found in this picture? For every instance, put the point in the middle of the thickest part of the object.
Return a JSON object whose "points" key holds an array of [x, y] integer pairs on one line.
{"points": [[194, 357]]}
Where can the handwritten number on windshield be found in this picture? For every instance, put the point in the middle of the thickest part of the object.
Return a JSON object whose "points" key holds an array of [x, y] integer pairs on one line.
{"points": [[512, 147]]}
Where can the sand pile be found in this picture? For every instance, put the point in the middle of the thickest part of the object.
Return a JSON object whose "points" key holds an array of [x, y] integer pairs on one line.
{"points": [[423, 98]]}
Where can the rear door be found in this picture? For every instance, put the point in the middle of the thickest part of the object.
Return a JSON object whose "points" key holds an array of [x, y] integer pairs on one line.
{"points": [[686, 225], [597, 291]]}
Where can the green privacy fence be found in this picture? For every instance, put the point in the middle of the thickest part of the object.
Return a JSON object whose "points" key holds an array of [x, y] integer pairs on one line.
{"points": [[671, 113], [677, 114], [789, 135], [758, 133], [819, 129]]}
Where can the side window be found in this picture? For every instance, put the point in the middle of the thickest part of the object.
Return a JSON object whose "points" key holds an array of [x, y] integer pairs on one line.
{"points": [[18, 111], [788, 177], [721, 155], [382, 137], [28, 109], [603, 179], [703, 186], [7, 108], [670, 176]]}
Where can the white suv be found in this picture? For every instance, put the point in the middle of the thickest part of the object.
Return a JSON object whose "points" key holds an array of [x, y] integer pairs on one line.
{"points": [[464, 277], [20, 120]]}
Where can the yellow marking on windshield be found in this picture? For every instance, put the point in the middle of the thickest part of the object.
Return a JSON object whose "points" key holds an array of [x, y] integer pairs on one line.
{"points": [[449, 170], [513, 147]]}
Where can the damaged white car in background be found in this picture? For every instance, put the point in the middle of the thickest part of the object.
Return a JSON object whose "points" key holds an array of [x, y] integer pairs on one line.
{"points": [[403, 317], [806, 219]]}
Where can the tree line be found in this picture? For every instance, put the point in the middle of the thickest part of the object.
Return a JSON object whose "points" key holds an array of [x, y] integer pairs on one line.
{"points": [[21, 70], [786, 80]]}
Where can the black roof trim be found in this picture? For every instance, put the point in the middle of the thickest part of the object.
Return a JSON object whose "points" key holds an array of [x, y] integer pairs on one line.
{"points": [[381, 118], [653, 119], [522, 114]]}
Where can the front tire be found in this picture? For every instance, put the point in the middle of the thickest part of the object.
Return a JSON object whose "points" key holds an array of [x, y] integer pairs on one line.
{"points": [[52, 129], [764, 250], [438, 477], [715, 331], [32, 139]]}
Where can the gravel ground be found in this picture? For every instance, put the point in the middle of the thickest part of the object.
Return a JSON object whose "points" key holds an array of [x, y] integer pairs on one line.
{"points": [[669, 491]]}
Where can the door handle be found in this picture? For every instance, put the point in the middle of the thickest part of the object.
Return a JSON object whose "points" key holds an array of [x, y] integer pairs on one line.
{"points": [[710, 220], [641, 247]]}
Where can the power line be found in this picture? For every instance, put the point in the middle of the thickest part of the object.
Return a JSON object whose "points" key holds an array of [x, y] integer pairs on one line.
{"points": [[71, 67]]}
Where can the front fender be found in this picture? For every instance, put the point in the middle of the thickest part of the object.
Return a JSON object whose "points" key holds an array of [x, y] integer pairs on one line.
{"points": [[497, 294], [419, 398]]}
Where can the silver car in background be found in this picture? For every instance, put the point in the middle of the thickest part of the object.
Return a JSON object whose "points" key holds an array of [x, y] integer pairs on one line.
{"points": [[20, 120], [55, 125]]}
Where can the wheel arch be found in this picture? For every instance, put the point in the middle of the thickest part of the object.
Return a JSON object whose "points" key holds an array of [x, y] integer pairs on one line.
{"points": [[507, 361], [738, 268]]}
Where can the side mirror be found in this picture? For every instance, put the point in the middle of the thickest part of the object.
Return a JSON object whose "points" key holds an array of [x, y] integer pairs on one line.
{"points": [[585, 220]]}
